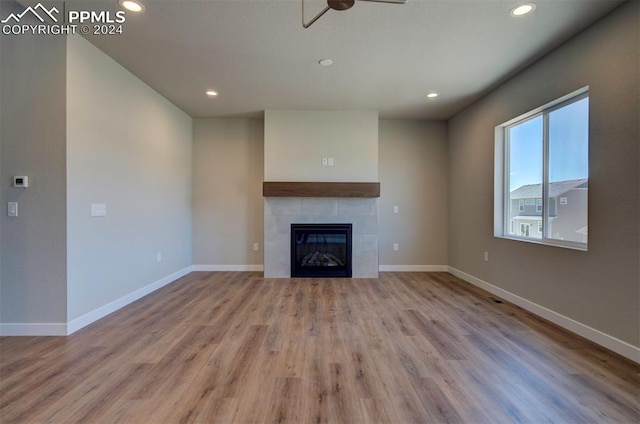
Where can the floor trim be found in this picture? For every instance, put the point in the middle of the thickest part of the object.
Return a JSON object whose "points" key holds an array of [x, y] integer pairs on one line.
{"points": [[33, 329], [620, 347], [239, 268], [414, 268]]}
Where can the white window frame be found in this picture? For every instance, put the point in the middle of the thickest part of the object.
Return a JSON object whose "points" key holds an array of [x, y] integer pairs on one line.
{"points": [[501, 173]]}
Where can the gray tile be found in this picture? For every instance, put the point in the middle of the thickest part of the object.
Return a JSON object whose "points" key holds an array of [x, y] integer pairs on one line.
{"points": [[365, 256], [283, 222], [270, 226], [326, 206], [357, 207], [277, 260], [367, 224], [282, 206], [280, 213], [330, 219]]}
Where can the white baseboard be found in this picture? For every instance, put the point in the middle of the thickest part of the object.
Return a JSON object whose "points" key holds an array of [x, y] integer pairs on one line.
{"points": [[242, 268], [413, 268], [34, 329], [620, 347], [90, 317]]}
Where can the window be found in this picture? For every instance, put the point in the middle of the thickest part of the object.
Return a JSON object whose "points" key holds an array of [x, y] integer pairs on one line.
{"points": [[542, 160]]}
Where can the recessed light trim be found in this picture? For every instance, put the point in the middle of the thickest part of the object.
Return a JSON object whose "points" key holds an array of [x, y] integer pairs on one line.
{"points": [[432, 95], [523, 9], [325, 62], [132, 5], [212, 93]]}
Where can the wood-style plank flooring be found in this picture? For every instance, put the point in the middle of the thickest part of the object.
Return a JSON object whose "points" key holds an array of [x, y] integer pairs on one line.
{"points": [[236, 348]]}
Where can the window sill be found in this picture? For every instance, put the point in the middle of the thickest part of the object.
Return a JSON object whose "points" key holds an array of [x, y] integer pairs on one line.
{"points": [[563, 244]]}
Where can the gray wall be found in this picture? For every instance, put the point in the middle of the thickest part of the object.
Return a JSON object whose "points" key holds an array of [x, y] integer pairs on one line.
{"points": [[227, 191], [413, 176], [129, 148], [599, 288], [32, 125]]}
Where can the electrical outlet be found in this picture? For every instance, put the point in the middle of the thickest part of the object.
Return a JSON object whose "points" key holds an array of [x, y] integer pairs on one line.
{"points": [[159, 257], [486, 256], [395, 247], [256, 247]]}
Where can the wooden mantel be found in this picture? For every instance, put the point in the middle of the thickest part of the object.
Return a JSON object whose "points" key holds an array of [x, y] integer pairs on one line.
{"points": [[319, 189]]}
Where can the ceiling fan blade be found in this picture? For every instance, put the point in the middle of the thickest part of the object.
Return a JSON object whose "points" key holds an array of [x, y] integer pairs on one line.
{"points": [[341, 5], [388, 1], [315, 18]]}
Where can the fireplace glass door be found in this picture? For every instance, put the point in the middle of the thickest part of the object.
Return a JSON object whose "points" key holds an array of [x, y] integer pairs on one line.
{"points": [[321, 250]]}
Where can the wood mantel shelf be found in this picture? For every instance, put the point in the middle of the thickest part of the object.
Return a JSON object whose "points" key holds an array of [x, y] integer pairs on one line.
{"points": [[319, 189]]}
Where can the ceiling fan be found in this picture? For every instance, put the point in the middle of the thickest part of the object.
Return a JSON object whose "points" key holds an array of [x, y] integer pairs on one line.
{"points": [[341, 5]]}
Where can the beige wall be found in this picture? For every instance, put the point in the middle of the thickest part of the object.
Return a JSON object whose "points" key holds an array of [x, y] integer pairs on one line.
{"points": [[129, 148], [227, 191], [32, 138], [296, 141], [413, 176], [599, 288]]}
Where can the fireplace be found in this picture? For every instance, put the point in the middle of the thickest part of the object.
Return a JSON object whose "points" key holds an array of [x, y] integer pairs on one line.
{"points": [[321, 250]]}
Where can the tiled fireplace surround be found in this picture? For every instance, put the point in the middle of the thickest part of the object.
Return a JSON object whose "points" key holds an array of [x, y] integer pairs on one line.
{"points": [[281, 212]]}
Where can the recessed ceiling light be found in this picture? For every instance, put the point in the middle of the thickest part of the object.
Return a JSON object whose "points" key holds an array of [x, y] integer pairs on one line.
{"points": [[132, 5], [523, 9], [432, 95], [212, 93], [326, 62]]}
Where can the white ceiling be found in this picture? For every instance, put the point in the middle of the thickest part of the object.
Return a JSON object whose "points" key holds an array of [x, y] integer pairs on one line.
{"points": [[256, 54]]}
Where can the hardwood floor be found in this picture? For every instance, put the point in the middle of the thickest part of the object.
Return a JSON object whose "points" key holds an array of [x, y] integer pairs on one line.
{"points": [[237, 348]]}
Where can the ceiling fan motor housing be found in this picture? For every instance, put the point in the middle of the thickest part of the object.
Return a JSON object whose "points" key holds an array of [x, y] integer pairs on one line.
{"points": [[341, 4]]}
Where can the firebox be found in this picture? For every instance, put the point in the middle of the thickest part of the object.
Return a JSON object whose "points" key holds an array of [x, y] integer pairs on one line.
{"points": [[321, 250]]}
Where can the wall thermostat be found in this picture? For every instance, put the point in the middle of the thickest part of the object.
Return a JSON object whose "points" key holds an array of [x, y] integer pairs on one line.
{"points": [[21, 182]]}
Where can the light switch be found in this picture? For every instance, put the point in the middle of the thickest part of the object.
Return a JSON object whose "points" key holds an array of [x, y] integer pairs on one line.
{"points": [[12, 209], [330, 161], [98, 209], [324, 161], [395, 247], [396, 209]]}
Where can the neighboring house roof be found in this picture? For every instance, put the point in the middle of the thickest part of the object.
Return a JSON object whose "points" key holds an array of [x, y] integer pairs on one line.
{"points": [[557, 188]]}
